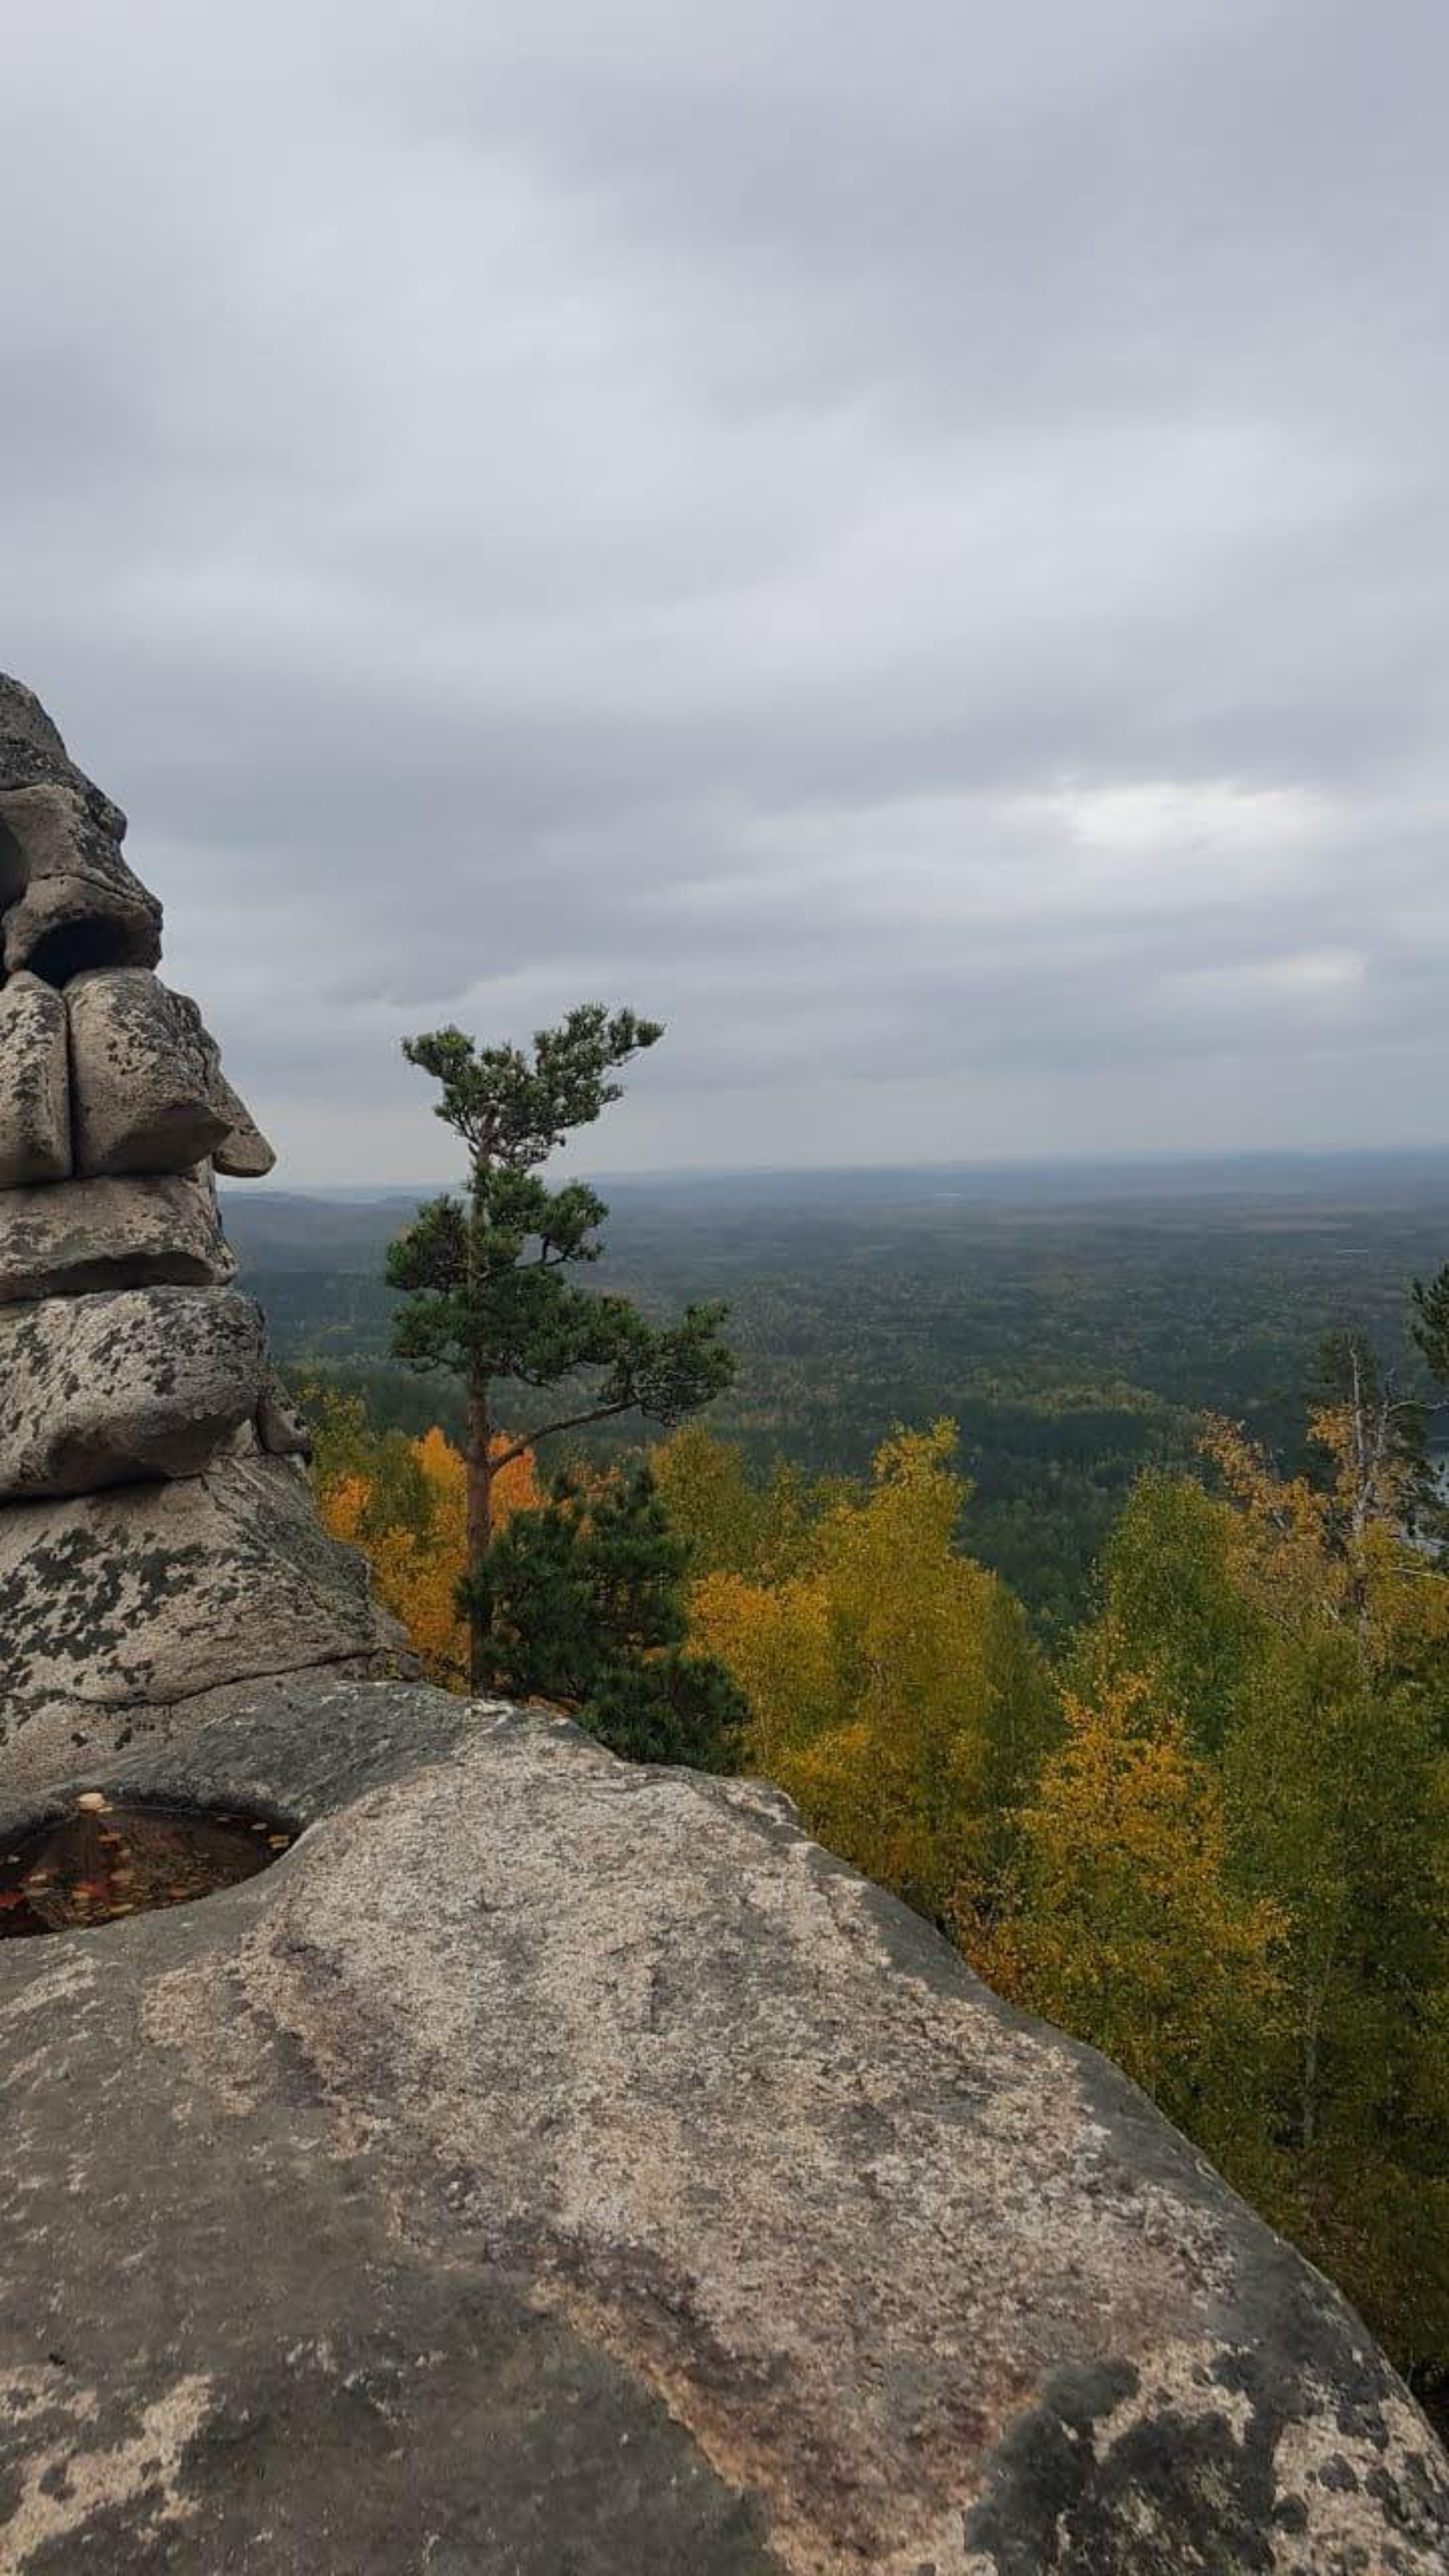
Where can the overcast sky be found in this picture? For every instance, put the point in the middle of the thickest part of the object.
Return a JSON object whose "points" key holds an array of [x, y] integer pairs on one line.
{"points": [[909, 542]]}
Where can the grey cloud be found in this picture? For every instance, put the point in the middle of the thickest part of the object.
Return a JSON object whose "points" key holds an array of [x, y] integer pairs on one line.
{"points": [[694, 507]]}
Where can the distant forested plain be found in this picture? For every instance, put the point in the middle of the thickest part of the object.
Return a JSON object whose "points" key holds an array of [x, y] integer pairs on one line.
{"points": [[1073, 1321]]}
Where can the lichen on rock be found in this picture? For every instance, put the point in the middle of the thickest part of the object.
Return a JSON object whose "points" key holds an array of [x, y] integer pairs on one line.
{"points": [[154, 1538], [122, 1387], [554, 2163]]}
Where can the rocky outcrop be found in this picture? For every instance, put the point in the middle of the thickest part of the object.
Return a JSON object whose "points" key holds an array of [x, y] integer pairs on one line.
{"points": [[243, 1154], [79, 904], [280, 1427], [35, 1096], [137, 1233], [152, 1592], [156, 1535], [113, 1390], [555, 2165], [32, 752], [143, 1068]]}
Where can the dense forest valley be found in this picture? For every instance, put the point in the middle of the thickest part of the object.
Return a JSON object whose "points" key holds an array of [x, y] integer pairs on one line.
{"points": [[1073, 1322], [1042, 1552]]}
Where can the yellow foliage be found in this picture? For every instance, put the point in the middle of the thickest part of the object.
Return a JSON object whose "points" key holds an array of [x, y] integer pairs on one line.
{"points": [[778, 1641], [1126, 1925], [885, 1675], [1332, 1557], [342, 1506], [414, 1531]]}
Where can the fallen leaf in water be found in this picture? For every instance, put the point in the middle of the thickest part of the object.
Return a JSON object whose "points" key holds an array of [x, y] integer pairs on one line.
{"points": [[84, 1872]]}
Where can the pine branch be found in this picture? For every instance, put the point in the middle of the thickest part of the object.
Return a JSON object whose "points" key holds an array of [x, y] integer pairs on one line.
{"points": [[569, 1422]]}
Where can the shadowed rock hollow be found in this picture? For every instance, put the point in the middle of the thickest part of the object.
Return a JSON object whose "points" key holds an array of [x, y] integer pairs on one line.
{"points": [[549, 2167]]}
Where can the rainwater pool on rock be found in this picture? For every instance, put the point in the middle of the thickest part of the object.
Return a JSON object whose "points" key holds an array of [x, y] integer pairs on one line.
{"points": [[107, 1858]]}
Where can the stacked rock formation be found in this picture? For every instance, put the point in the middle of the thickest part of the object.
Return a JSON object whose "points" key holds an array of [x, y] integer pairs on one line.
{"points": [[156, 1533]]}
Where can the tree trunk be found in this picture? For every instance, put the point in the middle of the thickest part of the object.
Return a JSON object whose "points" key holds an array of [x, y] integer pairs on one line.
{"points": [[480, 1520], [1308, 2127], [1315, 2006]]}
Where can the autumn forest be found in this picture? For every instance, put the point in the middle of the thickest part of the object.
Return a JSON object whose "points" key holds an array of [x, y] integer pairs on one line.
{"points": [[1071, 1554]]}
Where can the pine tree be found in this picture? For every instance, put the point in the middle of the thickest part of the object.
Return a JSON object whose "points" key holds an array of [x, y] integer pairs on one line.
{"points": [[1431, 1323], [583, 1602], [484, 1274]]}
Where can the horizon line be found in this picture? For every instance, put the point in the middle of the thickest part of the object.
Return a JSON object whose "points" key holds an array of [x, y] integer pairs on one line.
{"points": [[1155, 1158]]}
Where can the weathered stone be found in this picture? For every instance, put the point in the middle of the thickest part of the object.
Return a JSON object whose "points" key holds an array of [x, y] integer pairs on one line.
{"points": [[114, 1389], [150, 1544], [244, 1154], [280, 1427], [70, 901], [142, 1071], [155, 1592], [30, 745], [45, 1740], [32, 754], [35, 1140], [550, 2164], [150, 1093], [80, 1235]]}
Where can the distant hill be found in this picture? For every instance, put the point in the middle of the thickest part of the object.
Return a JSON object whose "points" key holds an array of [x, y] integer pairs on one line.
{"points": [[282, 1230], [1074, 1320]]}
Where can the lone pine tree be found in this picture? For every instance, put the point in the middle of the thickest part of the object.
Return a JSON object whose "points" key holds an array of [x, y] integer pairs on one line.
{"points": [[485, 1275]]}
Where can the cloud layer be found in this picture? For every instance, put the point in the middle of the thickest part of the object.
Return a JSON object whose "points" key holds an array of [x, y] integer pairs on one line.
{"points": [[911, 544]]}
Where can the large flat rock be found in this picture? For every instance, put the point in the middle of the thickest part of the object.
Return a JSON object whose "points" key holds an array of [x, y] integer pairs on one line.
{"points": [[35, 1143], [141, 1070], [556, 2166], [118, 1388], [151, 1593], [81, 1235]]}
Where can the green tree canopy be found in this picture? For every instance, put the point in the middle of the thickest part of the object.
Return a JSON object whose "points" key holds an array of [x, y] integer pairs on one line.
{"points": [[485, 1274], [583, 1602]]}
